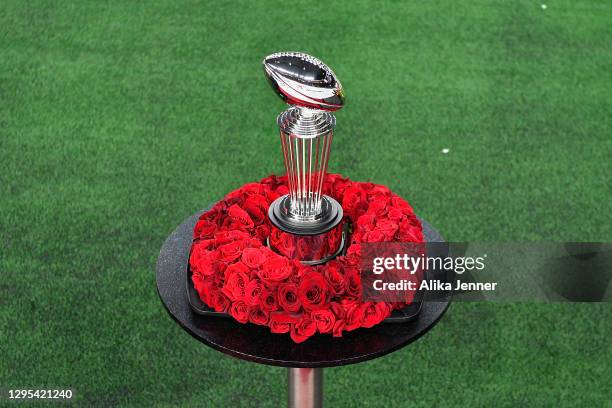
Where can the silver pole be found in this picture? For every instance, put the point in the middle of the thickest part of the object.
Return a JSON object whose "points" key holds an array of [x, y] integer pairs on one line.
{"points": [[305, 388]]}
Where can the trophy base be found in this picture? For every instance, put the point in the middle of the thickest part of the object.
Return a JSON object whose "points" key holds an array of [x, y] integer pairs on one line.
{"points": [[311, 242], [329, 218]]}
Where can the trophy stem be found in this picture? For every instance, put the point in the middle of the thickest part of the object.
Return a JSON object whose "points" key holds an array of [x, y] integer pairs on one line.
{"points": [[306, 138]]}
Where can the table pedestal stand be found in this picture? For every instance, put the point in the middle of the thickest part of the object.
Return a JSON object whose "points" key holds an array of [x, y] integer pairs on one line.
{"points": [[257, 344], [305, 387]]}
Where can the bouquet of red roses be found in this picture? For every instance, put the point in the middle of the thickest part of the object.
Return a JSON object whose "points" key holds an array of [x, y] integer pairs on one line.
{"points": [[235, 272]]}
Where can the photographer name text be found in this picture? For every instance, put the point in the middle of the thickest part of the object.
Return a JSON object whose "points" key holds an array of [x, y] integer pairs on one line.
{"points": [[434, 285]]}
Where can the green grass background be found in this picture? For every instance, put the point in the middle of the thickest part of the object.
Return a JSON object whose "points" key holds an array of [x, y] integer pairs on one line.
{"points": [[118, 119]]}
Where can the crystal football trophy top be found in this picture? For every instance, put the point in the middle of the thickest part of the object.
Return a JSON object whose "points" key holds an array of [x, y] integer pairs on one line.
{"points": [[306, 216]]}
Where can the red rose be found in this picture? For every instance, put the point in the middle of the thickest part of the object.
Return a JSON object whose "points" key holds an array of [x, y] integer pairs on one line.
{"points": [[232, 251], [334, 184], [354, 316], [378, 208], [209, 244], [331, 178], [338, 310], [238, 218], [395, 215], [313, 291], [374, 313], [275, 269], [356, 236], [250, 189], [414, 221], [334, 277], [235, 267], [301, 270], [201, 260], [367, 185], [257, 207], [288, 297], [352, 283], [204, 229], [302, 330], [399, 202], [360, 209], [215, 213], [253, 257], [338, 328], [268, 301], [270, 182], [258, 316], [253, 275], [221, 267], [367, 222], [272, 195], [240, 311], [219, 301], [409, 232], [262, 232], [254, 243], [235, 285], [407, 211], [339, 186], [388, 228], [282, 190], [374, 236], [277, 190], [353, 255], [252, 292], [203, 285], [379, 192], [352, 196], [281, 322], [324, 320], [224, 237], [232, 197]]}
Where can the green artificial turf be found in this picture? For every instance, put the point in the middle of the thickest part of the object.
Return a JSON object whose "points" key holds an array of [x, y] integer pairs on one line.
{"points": [[119, 119]]}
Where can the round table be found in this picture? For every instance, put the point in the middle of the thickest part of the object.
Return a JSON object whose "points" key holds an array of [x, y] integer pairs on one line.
{"points": [[255, 343]]}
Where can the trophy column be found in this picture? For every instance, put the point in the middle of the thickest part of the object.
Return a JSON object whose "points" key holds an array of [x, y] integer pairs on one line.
{"points": [[307, 225]]}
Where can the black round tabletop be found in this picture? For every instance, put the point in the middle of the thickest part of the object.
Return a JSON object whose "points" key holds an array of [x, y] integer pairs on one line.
{"points": [[256, 343]]}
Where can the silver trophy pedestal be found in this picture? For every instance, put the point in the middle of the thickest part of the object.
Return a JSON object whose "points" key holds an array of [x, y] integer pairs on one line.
{"points": [[327, 219], [313, 240]]}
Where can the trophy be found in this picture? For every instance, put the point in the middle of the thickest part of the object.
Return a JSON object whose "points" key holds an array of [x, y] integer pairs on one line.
{"points": [[306, 224]]}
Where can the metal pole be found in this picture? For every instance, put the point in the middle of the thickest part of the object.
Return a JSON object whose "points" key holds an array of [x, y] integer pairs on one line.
{"points": [[305, 387]]}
